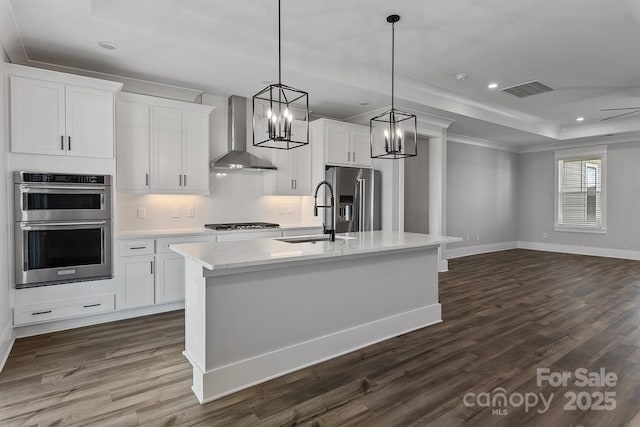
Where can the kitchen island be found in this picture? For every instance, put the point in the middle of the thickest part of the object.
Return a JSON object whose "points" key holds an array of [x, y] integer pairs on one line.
{"points": [[258, 309]]}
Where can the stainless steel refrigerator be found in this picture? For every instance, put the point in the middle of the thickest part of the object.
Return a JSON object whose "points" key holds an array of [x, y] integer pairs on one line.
{"points": [[357, 199]]}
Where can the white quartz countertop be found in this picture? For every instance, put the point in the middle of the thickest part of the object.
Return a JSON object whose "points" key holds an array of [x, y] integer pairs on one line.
{"points": [[169, 232], [247, 253]]}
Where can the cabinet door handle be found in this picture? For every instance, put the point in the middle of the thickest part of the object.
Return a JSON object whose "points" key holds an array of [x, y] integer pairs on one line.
{"points": [[180, 180], [151, 267], [185, 180], [62, 142], [146, 179], [37, 313], [348, 156], [354, 156], [133, 248], [295, 184], [69, 143], [92, 305]]}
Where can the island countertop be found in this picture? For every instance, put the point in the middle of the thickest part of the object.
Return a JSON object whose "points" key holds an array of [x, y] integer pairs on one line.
{"points": [[248, 253]]}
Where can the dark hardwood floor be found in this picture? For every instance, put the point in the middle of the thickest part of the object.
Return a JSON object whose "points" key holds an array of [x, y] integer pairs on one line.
{"points": [[505, 314]]}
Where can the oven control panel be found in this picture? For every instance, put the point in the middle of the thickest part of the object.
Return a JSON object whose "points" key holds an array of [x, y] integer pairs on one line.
{"points": [[27, 177]]}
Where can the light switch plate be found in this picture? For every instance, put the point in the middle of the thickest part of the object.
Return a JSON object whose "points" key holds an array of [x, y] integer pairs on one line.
{"points": [[175, 212], [290, 210], [190, 212], [142, 213]]}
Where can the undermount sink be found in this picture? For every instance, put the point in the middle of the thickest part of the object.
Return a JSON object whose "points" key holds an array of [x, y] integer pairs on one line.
{"points": [[312, 239]]}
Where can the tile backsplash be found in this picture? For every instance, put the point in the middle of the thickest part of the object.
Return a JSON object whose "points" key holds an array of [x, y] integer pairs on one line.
{"points": [[235, 197]]}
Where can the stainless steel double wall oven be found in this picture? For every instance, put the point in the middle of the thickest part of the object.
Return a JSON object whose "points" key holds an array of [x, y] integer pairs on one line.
{"points": [[62, 228]]}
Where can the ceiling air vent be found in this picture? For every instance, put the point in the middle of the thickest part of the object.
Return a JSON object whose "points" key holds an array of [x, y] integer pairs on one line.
{"points": [[527, 89]]}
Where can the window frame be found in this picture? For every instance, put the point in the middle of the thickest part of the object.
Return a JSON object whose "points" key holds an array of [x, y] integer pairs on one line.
{"points": [[594, 152]]}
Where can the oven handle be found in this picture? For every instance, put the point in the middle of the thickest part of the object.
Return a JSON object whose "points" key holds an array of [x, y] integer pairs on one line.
{"points": [[35, 226], [61, 187]]}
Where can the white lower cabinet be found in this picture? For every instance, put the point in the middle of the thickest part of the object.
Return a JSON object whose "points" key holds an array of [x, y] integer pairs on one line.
{"points": [[136, 281], [62, 309], [169, 278]]}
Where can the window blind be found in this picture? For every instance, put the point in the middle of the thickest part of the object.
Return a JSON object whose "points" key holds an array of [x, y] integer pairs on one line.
{"points": [[580, 192]]}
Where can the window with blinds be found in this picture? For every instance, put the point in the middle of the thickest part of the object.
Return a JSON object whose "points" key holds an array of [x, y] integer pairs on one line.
{"points": [[580, 193]]}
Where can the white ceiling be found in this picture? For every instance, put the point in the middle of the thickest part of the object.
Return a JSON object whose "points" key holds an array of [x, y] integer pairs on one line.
{"points": [[339, 51]]}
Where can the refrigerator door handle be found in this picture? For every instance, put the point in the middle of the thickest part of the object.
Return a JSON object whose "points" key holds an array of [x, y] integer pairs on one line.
{"points": [[361, 203]]}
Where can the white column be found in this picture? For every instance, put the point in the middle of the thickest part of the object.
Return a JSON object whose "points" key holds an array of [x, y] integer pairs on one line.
{"points": [[437, 192]]}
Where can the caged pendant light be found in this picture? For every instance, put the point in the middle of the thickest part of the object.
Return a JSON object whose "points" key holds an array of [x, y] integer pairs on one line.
{"points": [[280, 112], [393, 134]]}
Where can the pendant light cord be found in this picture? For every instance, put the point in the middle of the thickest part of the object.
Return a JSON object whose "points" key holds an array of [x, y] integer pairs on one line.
{"points": [[393, 62]]}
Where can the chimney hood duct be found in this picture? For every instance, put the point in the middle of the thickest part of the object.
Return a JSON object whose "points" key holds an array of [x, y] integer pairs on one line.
{"points": [[237, 158]]}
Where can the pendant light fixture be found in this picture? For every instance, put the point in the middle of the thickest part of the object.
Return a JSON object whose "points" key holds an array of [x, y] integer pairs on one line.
{"points": [[393, 133], [280, 112]]}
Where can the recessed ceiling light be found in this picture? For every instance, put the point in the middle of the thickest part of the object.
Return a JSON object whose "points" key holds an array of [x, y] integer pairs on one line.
{"points": [[493, 85], [461, 77], [363, 103], [108, 45], [580, 119]]}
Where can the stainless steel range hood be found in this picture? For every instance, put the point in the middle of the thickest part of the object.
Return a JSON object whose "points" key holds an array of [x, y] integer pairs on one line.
{"points": [[238, 158]]}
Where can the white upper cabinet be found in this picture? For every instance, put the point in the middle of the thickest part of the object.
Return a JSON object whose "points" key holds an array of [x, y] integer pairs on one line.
{"points": [[162, 145], [167, 150], [293, 176], [60, 114], [336, 143], [41, 102], [133, 145], [195, 152], [343, 144], [89, 114], [360, 146]]}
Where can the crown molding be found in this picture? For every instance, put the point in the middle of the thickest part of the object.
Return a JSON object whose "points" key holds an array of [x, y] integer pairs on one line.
{"points": [[590, 142], [478, 142]]}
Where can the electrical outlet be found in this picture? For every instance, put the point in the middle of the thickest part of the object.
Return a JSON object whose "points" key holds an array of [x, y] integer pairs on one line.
{"points": [[467, 237], [290, 210], [545, 235], [142, 213], [477, 237], [191, 212], [175, 212]]}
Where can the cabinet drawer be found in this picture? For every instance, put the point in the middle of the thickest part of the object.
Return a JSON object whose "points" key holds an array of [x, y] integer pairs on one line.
{"points": [[163, 243], [136, 247], [63, 309]]}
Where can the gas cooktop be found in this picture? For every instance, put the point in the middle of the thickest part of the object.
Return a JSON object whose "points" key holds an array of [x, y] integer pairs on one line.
{"points": [[242, 226]]}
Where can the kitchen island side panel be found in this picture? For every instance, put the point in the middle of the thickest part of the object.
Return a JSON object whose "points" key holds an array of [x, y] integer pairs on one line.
{"points": [[263, 324]]}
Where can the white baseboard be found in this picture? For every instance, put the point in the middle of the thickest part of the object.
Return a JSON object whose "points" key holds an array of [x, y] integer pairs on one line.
{"points": [[479, 249], [6, 344], [224, 380], [580, 250], [61, 325]]}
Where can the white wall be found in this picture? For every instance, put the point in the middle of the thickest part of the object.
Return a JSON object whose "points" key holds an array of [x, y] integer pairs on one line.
{"points": [[481, 195], [6, 330], [536, 201]]}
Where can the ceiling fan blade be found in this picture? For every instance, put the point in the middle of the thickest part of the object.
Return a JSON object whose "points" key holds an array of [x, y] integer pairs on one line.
{"points": [[619, 109], [620, 115]]}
